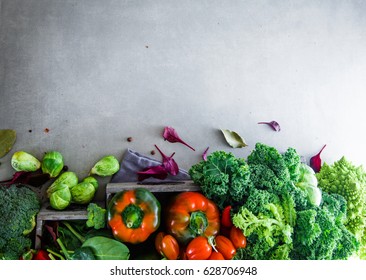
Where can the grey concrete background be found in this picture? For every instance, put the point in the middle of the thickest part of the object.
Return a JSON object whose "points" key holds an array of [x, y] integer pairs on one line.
{"points": [[95, 72]]}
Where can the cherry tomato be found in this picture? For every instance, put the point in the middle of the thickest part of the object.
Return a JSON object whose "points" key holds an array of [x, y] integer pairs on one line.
{"points": [[226, 217], [167, 246], [199, 249], [225, 247], [237, 237], [216, 256]]}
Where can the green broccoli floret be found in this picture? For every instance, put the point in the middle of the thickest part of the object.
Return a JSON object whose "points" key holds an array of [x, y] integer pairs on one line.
{"points": [[223, 178], [18, 209], [349, 181], [96, 216]]}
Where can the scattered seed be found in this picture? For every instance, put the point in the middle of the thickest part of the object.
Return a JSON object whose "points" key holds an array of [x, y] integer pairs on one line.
{"points": [[129, 139], [152, 152]]}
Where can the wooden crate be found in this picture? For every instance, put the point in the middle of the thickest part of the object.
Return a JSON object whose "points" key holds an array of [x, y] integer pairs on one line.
{"points": [[168, 187], [80, 212], [74, 212]]}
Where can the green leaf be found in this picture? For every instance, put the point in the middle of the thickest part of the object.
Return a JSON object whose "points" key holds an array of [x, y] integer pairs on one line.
{"points": [[7, 140], [105, 248], [233, 139]]}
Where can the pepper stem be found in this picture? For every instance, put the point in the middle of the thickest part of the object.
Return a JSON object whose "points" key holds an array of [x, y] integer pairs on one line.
{"points": [[132, 216], [198, 222]]}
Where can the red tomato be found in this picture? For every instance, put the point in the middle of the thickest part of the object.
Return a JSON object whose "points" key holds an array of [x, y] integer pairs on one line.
{"points": [[226, 217], [216, 256], [167, 246], [225, 247], [237, 237], [199, 249]]}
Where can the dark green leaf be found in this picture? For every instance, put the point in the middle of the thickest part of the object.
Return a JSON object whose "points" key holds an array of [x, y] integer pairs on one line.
{"points": [[107, 249]]}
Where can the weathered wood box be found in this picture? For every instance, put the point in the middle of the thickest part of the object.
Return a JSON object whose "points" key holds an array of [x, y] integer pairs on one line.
{"points": [[163, 191]]}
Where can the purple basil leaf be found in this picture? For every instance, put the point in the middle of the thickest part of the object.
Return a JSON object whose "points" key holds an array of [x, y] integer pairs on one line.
{"points": [[171, 135], [158, 172], [169, 163], [273, 124], [204, 155]]}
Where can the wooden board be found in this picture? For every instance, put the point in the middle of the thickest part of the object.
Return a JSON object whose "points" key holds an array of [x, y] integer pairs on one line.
{"points": [[180, 186]]}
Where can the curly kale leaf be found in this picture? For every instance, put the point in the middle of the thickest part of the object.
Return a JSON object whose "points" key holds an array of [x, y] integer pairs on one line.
{"points": [[223, 178], [269, 236]]}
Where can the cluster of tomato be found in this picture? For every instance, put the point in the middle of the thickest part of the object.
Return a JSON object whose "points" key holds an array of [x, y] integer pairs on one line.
{"points": [[220, 247]]}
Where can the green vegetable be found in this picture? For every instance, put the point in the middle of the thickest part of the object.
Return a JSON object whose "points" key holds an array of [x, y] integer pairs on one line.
{"points": [[309, 183], [349, 181], [52, 163], [97, 216], [18, 209], [7, 140], [107, 249], [80, 243], [233, 139], [268, 234], [23, 161], [106, 166], [67, 178], [60, 198], [93, 181], [223, 178], [320, 233], [82, 193]]}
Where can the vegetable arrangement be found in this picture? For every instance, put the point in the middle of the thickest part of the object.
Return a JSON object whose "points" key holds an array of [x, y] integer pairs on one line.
{"points": [[268, 206], [282, 211]]}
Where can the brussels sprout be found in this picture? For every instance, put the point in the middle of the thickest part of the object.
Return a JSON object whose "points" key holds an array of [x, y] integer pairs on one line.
{"points": [[106, 166], [92, 180], [68, 178], [52, 163], [61, 197], [22, 161], [82, 193]]}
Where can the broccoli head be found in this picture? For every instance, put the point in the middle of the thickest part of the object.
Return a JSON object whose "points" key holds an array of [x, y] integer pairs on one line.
{"points": [[18, 209], [96, 216]]}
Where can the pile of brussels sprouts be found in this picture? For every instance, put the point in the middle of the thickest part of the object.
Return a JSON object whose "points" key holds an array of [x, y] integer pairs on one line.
{"points": [[66, 188]]}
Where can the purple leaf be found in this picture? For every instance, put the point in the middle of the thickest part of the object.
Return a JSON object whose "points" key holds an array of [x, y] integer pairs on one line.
{"points": [[157, 171], [273, 124], [169, 163], [316, 162], [204, 155], [33, 178], [172, 136]]}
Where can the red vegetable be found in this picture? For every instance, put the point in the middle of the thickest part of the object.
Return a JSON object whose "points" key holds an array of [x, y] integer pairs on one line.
{"points": [[316, 162], [226, 217], [225, 247], [172, 136], [199, 249], [216, 256], [273, 124], [167, 246], [41, 255], [237, 237]]}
